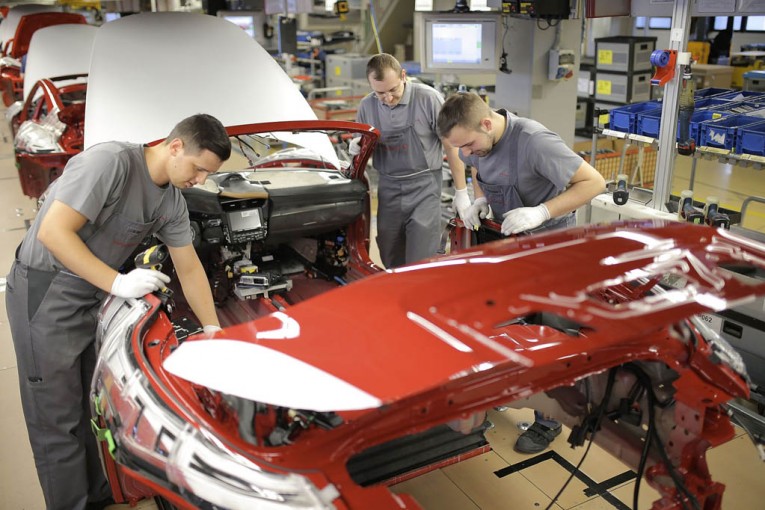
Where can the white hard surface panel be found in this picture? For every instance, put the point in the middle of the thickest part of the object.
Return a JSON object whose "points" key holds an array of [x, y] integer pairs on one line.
{"points": [[151, 70], [59, 50], [250, 371], [9, 24]]}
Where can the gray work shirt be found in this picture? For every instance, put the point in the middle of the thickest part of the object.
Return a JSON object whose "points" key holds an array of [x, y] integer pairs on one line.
{"points": [[111, 178], [428, 103], [542, 161]]}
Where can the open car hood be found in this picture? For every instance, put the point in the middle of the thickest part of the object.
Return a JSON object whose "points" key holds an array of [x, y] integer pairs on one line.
{"points": [[11, 22], [60, 50], [440, 319], [141, 107]]}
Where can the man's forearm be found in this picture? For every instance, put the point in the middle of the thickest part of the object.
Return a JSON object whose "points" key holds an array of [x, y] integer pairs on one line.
{"points": [[196, 289]]}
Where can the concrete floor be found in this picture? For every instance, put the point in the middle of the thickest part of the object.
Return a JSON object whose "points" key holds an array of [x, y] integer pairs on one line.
{"points": [[470, 484]]}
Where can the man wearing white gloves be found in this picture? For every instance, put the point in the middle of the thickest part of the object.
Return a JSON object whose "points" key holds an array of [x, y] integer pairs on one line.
{"points": [[528, 178], [409, 158], [525, 174], [108, 199]]}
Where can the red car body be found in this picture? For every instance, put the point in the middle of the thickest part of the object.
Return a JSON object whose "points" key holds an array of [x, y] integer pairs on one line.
{"points": [[65, 101], [576, 318], [11, 77]]}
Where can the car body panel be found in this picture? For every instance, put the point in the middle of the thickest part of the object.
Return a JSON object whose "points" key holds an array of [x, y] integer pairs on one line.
{"points": [[514, 275], [49, 126], [11, 77], [59, 50], [223, 87], [501, 360], [11, 21], [552, 319]]}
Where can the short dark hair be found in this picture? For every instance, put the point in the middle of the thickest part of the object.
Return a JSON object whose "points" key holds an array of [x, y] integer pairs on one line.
{"points": [[379, 63], [464, 109], [202, 132]]}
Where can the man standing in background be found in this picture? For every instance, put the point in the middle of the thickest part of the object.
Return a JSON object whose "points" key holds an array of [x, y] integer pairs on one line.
{"points": [[409, 158]]}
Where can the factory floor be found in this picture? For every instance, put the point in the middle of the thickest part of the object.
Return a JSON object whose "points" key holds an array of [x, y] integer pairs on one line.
{"points": [[471, 484]]}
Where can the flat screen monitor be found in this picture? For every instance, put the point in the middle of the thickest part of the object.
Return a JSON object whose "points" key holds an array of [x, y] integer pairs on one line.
{"points": [[242, 221], [464, 43], [250, 21]]}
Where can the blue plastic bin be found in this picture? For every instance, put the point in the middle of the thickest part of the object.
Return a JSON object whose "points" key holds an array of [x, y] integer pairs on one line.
{"points": [[649, 123], [742, 95], [741, 107], [751, 139], [709, 102], [624, 118], [709, 92], [721, 133]]}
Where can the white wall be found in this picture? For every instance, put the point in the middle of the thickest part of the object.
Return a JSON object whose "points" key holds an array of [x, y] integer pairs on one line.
{"points": [[527, 90]]}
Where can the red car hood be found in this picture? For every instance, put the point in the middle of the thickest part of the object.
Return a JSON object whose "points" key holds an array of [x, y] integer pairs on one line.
{"points": [[405, 331]]}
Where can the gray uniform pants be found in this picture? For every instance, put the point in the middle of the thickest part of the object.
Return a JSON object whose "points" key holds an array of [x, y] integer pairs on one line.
{"points": [[409, 218], [53, 322]]}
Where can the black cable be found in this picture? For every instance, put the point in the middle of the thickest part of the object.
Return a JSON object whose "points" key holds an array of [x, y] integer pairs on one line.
{"points": [[654, 434], [595, 427]]}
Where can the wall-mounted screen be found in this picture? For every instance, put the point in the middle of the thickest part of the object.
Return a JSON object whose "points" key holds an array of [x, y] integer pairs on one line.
{"points": [[250, 21], [459, 42]]}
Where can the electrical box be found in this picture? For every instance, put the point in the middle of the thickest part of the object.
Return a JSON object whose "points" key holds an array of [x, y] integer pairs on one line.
{"points": [[562, 64], [624, 54], [346, 66], [623, 88], [548, 9]]}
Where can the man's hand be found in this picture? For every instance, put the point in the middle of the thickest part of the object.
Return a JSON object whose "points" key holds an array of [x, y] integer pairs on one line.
{"points": [[210, 330], [461, 202], [354, 146], [524, 218], [138, 283], [476, 212]]}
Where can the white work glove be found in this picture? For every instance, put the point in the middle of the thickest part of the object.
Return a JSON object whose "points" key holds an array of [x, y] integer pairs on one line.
{"points": [[210, 330], [138, 283], [475, 213], [354, 146], [461, 202], [524, 218]]}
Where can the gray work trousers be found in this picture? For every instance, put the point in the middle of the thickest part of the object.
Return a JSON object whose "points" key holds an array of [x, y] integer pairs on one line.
{"points": [[53, 323], [409, 218]]}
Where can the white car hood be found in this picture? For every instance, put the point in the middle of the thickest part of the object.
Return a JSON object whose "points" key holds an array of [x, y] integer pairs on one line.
{"points": [[11, 22], [151, 70], [60, 50]]}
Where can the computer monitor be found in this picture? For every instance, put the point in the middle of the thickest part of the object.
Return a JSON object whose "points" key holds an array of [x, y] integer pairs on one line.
{"points": [[459, 43], [250, 21]]}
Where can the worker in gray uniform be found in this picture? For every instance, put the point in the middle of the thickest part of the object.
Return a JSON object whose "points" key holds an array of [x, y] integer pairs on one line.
{"points": [[527, 177], [409, 158], [108, 199]]}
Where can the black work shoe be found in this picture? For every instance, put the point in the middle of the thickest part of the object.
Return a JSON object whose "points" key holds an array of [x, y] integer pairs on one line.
{"points": [[536, 438]]}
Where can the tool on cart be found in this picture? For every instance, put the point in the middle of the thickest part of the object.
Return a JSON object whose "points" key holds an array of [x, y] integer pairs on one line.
{"points": [[621, 194], [713, 216], [686, 211], [685, 144]]}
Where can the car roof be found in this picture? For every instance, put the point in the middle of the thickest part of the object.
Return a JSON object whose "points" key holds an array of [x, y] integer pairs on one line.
{"points": [[60, 50], [150, 70]]}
